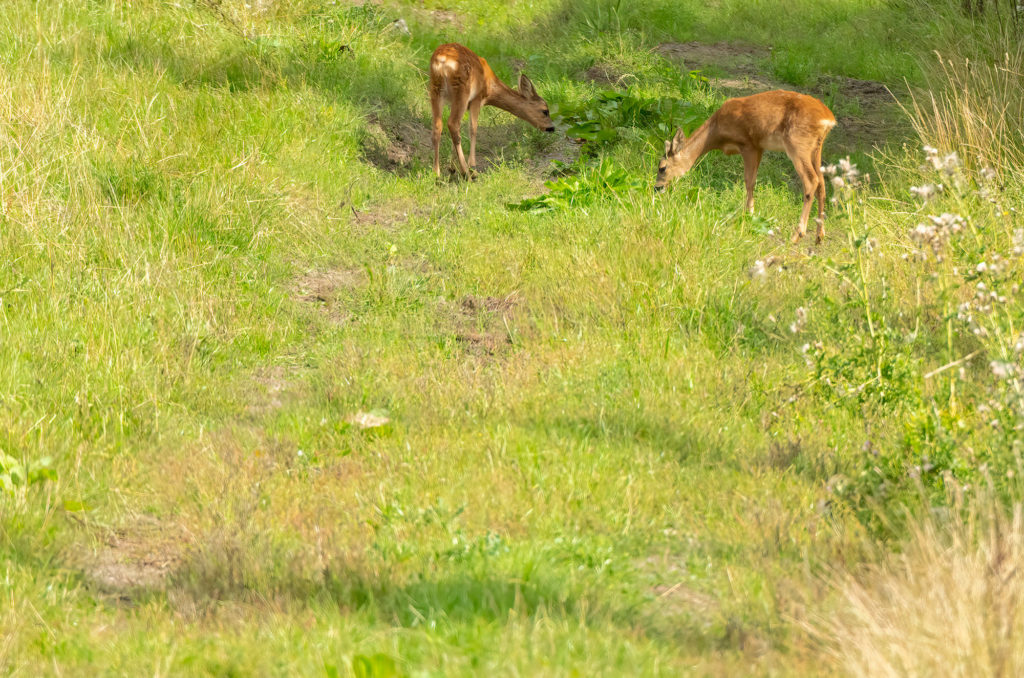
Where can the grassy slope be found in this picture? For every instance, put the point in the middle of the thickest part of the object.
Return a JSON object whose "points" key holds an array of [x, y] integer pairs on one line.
{"points": [[582, 477]]}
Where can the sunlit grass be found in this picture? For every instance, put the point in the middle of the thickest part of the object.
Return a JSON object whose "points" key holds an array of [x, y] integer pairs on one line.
{"points": [[605, 452]]}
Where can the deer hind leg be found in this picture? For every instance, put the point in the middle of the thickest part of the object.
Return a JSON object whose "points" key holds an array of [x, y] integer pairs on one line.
{"points": [[454, 125], [809, 181], [474, 118], [820, 222], [437, 110], [751, 161]]}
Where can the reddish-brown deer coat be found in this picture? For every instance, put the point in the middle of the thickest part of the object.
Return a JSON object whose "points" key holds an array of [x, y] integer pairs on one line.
{"points": [[769, 121], [462, 78]]}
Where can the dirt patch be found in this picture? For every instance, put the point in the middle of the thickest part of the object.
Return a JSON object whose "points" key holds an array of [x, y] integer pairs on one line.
{"points": [[607, 75], [866, 111], [387, 216], [271, 384], [683, 598], [137, 558], [322, 286], [395, 146], [443, 17], [482, 325], [325, 288], [736, 59], [473, 304], [737, 68]]}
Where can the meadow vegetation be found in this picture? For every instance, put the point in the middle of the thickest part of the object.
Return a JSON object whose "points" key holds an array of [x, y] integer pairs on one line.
{"points": [[273, 401]]}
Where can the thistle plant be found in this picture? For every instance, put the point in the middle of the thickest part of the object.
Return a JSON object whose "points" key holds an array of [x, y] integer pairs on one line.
{"points": [[960, 406]]}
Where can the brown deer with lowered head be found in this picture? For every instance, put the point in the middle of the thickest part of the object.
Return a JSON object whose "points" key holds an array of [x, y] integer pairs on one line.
{"points": [[468, 83], [769, 121]]}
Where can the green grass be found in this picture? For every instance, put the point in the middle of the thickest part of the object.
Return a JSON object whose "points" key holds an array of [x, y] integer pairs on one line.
{"points": [[605, 455]]}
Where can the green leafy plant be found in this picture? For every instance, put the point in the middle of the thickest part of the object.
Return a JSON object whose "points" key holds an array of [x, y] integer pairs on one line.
{"points": [[600, 121], [16, 474], [592, 184]]}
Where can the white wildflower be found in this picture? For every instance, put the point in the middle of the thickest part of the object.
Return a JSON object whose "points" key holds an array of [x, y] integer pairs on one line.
{"points": [[1002, 369], [938, 233], [927, 191], [801, 320]]}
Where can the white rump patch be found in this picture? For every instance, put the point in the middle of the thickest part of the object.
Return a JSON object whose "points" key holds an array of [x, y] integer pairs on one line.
{"points": [[828, 124], [444, 65]]}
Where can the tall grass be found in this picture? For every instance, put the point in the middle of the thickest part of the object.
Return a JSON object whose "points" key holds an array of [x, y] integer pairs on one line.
{"points": [[951, 603], [975, 106]]}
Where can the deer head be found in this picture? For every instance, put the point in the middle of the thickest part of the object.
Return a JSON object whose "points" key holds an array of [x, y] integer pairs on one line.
{"points": [[535, 111], [675, 163]]}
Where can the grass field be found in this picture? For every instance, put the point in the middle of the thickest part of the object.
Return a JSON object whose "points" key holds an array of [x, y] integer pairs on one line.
{"points": [[274, 401]]}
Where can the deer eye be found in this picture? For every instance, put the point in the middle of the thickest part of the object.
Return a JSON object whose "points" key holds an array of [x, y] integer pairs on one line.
{"points": [[546, 112]]}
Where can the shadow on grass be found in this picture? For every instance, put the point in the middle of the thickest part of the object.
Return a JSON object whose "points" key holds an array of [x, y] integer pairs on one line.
{"points": [[626, 431], [213, 575], [440, 602]]}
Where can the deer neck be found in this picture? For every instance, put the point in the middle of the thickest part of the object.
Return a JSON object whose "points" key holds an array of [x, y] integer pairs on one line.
{"points": [[697, 145], [507, 99]]}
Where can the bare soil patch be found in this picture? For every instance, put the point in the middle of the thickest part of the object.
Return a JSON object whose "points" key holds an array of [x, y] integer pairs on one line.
{"points": [[388, 216], [607, 74], [741, 62], [481, 325], [325, 287], [473, 304], [867, 111], [679, 598], [403, 147], [442, 18], [322, 286], [271, 384], [136, 558], [395, 146]]}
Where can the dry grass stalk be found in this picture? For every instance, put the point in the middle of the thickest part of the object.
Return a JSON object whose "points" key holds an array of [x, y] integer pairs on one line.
{"points": [[948, 605], [976, 108]]}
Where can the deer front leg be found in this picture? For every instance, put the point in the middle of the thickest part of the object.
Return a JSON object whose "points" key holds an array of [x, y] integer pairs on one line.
{"points": [[454, 125], [474, 118], [751, 161]]}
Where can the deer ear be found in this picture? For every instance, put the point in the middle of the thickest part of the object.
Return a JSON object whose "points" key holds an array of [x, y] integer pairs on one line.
{"points": [[679, 139], [526, 86], [668, 146]]}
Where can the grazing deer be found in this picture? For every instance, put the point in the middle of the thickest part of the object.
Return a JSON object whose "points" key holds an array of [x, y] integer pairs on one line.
{"points": [[770, 121], [467, 82]]}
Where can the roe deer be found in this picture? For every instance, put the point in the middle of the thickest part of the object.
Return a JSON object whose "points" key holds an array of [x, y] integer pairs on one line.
{"points": [[769, 121], [467, 82]]}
